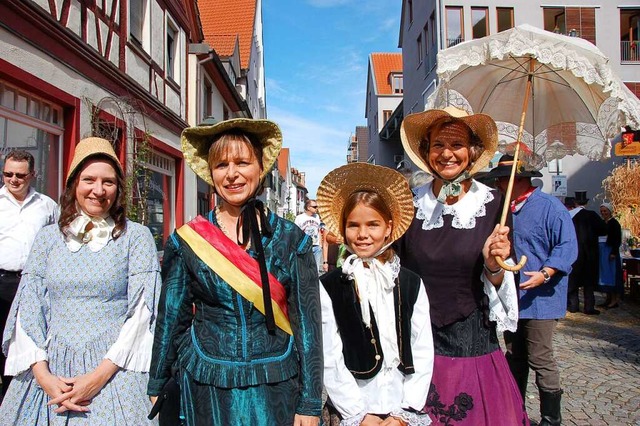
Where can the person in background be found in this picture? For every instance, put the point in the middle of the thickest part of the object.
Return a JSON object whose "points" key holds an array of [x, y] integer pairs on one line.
{"points": [[452, 244], [419, 178], [378, 348], [611, 281], [23, 212], [239, 324], [330, 249], [79, 335], [542, 231], [309, 222], [585, 272]]}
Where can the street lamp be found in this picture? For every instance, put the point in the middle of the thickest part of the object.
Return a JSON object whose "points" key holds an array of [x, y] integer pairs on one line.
{"points": [[556, 151]]}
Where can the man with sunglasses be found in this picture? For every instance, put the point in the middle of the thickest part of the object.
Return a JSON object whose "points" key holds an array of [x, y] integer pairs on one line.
{"points": [[309, 222], [23, 212]]}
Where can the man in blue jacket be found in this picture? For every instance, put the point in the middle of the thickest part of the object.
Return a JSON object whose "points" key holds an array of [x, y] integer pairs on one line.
{"points": [[542, 231]]}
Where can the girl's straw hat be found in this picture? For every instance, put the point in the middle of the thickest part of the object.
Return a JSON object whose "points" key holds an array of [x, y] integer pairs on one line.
{"points": [[197, 140], [340, 183]]}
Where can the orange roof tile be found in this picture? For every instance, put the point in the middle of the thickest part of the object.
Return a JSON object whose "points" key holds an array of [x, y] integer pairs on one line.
{"points": [[383, 64], [228, 17], [224, 44], [283, 160]]}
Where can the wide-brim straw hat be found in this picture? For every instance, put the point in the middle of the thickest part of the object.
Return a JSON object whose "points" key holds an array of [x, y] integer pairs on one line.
{"points": [[92, 147], [197, 140], [415, 126], [391, 185], [503, 169]]}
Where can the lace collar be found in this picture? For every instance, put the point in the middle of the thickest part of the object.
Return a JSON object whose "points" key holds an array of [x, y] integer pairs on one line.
{"points": [[464, 212]]}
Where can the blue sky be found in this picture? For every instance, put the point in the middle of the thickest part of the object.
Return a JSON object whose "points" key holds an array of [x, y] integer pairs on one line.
{"points": [[316, 57]]}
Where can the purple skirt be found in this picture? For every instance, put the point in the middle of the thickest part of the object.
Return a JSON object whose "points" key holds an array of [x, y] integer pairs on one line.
{"points": [[476, 391]]}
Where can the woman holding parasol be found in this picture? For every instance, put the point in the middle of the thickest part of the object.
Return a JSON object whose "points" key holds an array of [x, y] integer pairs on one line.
{"points": [[453, 243]]}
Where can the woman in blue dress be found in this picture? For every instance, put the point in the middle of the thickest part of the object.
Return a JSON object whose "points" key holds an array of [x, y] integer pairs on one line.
{"points": [[80, 331], [239, 324], [611, 281]]}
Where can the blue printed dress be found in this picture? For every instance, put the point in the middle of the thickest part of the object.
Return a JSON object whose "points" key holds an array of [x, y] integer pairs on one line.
{"points": [[73, 306]]}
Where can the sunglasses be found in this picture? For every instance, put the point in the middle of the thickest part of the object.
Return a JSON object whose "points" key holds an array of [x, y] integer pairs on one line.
{"points": [[20, 176], [315, 207]]}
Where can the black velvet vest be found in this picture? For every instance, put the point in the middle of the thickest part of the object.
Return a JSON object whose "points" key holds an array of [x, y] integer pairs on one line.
{"points": [[361, 345]]}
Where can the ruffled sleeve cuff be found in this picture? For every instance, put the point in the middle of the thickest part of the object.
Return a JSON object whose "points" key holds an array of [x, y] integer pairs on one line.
{"points": [[503, 301], [354, 420], [155, 386], [412, 418], [309, 407], [22, 352], [132, 349]]}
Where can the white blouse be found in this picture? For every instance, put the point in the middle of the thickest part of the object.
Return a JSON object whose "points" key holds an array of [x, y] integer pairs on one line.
{"points": [[390, 391]]}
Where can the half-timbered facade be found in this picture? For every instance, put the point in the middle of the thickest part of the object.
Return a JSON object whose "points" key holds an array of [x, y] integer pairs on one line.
{"points": [[132, 71]]}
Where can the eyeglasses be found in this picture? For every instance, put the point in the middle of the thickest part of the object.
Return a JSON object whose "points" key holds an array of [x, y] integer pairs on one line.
{"points": [[314, 207], [20, 176]]}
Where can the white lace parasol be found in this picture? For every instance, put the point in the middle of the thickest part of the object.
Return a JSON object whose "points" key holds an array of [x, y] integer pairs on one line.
{"points": [[575, 96]]}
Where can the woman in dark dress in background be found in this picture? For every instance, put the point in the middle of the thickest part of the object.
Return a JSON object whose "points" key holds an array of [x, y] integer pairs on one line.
{"points": [[611, 281]]}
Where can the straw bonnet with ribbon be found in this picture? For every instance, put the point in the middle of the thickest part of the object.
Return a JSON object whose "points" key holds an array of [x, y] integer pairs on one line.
{"points": [[75, 232], [340, 183], [197, 140], [415, 127], [92, 147], [503, 169]]}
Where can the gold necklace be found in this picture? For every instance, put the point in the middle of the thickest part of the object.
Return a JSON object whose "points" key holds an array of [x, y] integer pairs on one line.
{"points": [[224, 228]]}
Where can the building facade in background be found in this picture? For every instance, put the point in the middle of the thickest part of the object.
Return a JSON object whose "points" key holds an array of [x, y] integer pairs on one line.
{"points": [[113, 69], [385, 90], [358, 147], [136, 72]]}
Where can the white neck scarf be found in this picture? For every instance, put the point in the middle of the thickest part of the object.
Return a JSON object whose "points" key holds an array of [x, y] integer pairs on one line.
{"points": [[374, 287], [96, 238], [371, 286]]}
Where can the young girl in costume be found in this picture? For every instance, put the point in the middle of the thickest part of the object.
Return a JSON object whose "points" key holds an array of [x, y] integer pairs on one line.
{"points": [[378, 348]]}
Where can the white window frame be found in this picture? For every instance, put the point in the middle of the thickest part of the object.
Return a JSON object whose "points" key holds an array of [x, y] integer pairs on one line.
{"points": [[172, 65], [165, 165]]}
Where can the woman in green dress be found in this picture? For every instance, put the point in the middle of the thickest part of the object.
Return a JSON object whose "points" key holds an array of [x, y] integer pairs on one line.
{"points": [[239, 315]]}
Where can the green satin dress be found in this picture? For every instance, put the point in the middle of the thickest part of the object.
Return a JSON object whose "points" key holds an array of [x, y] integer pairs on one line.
{"points": [[230, 369]]}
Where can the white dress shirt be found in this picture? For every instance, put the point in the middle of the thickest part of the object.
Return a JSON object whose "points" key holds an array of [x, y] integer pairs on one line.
{"points": [[19, 224], [389, 391]]}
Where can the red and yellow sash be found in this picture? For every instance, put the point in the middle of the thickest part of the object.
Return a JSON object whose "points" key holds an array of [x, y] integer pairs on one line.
{"points": [[235, 266]]}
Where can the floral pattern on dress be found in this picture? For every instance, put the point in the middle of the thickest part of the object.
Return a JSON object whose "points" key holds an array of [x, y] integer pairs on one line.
{"points": [[455, 412]]}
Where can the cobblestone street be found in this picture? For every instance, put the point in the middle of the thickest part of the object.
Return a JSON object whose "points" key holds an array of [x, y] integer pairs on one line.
{"points": [[599, 360]]}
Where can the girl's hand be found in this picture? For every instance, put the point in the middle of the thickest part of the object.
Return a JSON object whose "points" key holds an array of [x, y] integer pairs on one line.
{"points": [[300, 420], [371, 420], [393, 421]]}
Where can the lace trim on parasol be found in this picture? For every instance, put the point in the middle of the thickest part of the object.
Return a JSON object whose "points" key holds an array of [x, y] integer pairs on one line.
{"points": [[585, 62], [464, 212], [589, 142]]}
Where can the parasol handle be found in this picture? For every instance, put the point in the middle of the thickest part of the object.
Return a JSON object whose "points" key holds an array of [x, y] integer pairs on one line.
{"points": [[507, 195], [511, 268]]}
